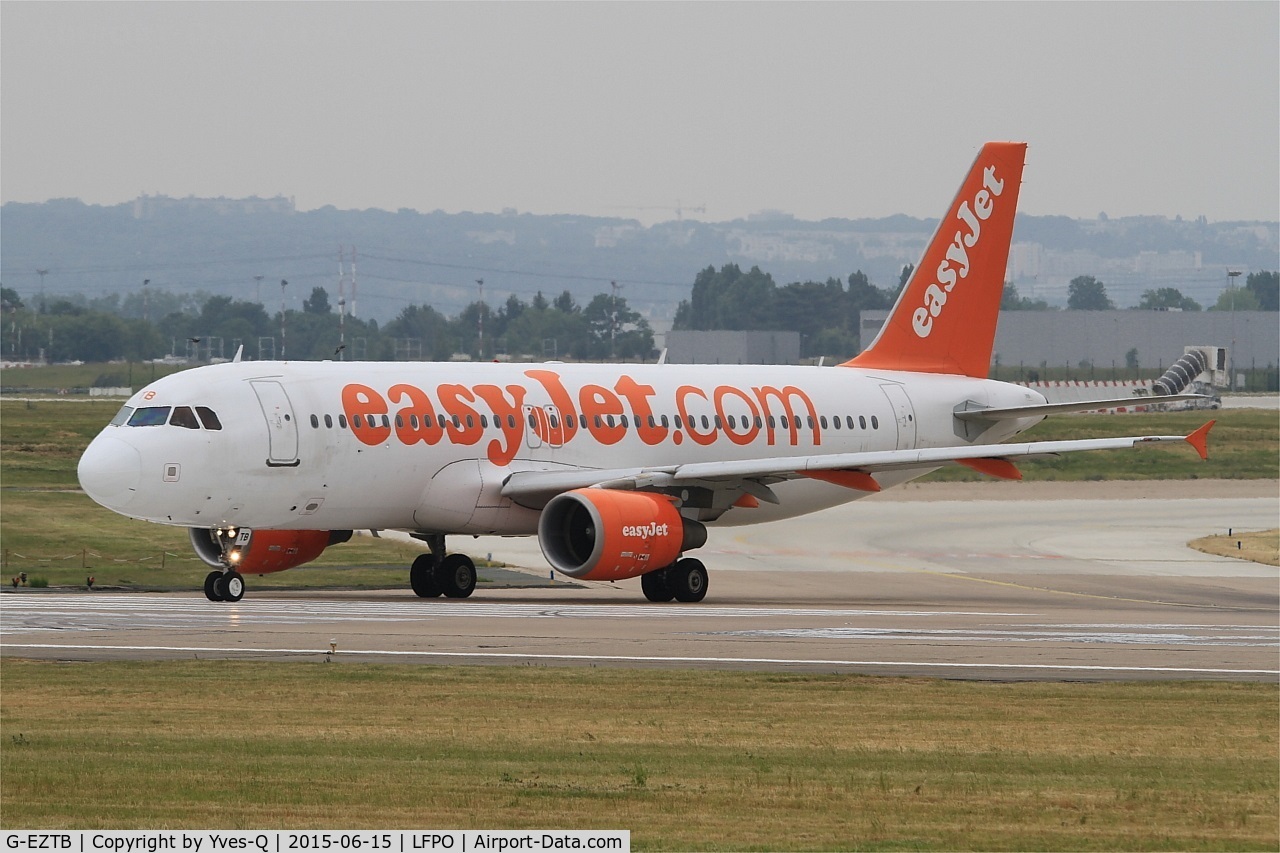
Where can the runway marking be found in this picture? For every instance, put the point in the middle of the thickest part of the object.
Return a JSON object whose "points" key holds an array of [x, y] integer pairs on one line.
{"points": [[80, 613], [674, 659], [1265, 636]]}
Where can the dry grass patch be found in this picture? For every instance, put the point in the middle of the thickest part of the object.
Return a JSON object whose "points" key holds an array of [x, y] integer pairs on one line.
{"points": [[1262, 546]]}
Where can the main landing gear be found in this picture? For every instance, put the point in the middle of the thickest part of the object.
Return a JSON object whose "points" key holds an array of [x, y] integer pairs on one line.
{"points": [[224, 586], [684, 580], [437, 573]]}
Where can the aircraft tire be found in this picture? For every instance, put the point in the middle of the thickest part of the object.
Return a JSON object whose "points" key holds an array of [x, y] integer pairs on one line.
{"points": [[456, 576], [655, 586], [211, 586], [422, 577], [229, 586], [688, 580]]}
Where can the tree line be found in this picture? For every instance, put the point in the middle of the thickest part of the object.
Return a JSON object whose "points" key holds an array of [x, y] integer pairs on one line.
{"points": [[827, 314], [141, 327]]}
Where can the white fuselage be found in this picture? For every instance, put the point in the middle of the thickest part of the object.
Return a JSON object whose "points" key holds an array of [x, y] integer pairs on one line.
{"points": [[427, 446]]}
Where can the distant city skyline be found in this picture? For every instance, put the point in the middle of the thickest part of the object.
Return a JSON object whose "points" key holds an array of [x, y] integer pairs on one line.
{"points": [[821, 110]]}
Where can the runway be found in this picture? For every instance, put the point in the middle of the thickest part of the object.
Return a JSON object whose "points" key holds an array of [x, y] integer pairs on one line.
{"points": [[1022, 587]]}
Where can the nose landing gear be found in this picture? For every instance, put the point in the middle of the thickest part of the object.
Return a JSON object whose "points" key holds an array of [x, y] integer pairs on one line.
{"points": [[224, 586]]}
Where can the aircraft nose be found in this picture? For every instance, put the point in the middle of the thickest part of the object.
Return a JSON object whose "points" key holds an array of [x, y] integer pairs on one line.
{"points": [[109, 471]]}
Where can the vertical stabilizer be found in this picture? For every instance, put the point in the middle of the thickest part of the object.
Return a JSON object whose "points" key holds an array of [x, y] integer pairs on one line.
{"points": [[945, 319]]}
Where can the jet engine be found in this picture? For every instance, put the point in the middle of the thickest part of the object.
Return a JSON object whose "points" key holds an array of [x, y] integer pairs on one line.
{"points": [[601, 534], [259, 552]]}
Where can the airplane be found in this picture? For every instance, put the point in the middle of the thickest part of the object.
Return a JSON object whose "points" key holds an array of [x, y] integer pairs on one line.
{"points": [[618, 470]]}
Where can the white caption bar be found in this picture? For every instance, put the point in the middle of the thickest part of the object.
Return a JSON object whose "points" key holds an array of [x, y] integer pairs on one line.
{"points": [[299, 841]]}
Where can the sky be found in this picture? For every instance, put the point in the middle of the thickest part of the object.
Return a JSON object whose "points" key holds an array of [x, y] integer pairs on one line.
{"points": [[851, 109]]}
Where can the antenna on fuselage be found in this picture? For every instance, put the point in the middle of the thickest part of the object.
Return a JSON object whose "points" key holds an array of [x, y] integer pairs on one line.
{"points": [[239, 352]]}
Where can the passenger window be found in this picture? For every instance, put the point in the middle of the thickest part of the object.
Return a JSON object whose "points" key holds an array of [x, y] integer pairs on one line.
{"points": [[342, 421], [875, 422], [399, 422], [533, 421], [511, 421], [484, 421], [208, 418], [357, 421], [122, 416], [149, 416], [862, 421], [184, 417], [315, 422], [441, 422], [624, 421], [328, 421]]}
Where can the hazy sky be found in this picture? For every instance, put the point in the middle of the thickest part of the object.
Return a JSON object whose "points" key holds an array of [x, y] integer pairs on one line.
{"points": [[826, 109]]}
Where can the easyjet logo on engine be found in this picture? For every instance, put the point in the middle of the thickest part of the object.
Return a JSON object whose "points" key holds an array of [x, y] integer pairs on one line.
{"points": [[955, 265], [541, 403], [645, 531]]}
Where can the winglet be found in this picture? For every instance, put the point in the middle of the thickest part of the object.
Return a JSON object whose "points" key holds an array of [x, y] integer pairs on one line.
{"points": [[945, 318], [1200, 439]]}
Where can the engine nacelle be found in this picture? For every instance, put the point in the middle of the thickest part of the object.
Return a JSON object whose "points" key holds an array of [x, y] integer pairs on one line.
{"points": [[260, 552], [601, 534]]}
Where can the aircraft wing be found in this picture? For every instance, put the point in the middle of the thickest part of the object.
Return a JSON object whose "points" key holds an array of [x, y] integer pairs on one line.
{"points": [[853, 470]]}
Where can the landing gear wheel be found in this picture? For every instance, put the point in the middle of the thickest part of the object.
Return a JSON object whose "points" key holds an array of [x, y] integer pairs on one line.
{"points": [[457, 576], [688, 580], [422, 577], [210, 586], [655, 586], [229, 586]]}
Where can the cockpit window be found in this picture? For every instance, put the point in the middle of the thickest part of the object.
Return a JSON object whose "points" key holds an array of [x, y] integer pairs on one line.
{"points": [[208, 418], [122, 416], [149, 416], [184, 417]]}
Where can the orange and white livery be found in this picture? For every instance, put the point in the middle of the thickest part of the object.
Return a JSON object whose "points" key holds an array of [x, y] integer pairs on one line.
{"points": [[619, 470]]}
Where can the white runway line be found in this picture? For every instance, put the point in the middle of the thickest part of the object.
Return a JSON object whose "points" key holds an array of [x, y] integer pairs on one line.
{"points": [[1013, 667]]}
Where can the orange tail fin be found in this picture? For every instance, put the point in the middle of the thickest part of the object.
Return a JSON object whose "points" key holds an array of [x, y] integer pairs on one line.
{"points": [[945, 319]]}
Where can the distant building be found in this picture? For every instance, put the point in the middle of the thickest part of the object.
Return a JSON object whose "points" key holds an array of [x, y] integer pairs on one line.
{"points": [[151, 206], [1105, 338], [730, 347]]}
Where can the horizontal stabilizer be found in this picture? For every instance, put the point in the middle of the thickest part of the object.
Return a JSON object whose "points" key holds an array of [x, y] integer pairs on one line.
{"points": [[1015, 412]]}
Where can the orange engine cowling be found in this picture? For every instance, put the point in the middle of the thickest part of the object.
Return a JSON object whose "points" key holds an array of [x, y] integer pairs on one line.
{"points": [[601, 534], [260, 552]]}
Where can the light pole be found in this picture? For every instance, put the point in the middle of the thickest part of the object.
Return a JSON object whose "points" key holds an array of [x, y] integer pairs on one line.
{"points": [[1231, 291], [480, 316], [283, 284]]}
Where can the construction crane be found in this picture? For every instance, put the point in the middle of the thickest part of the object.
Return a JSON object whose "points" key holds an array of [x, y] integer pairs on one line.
{"points": [[679, 209]]}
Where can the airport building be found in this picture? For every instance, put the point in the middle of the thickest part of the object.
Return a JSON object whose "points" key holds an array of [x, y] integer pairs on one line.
{"points": [[1104, 339], [732, 347]]}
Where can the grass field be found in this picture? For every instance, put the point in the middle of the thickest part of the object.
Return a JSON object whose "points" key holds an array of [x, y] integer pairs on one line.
{"points": [[685, 760]]}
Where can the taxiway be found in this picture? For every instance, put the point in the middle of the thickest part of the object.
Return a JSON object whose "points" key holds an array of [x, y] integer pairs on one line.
{"points": [[1094, 582]]}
